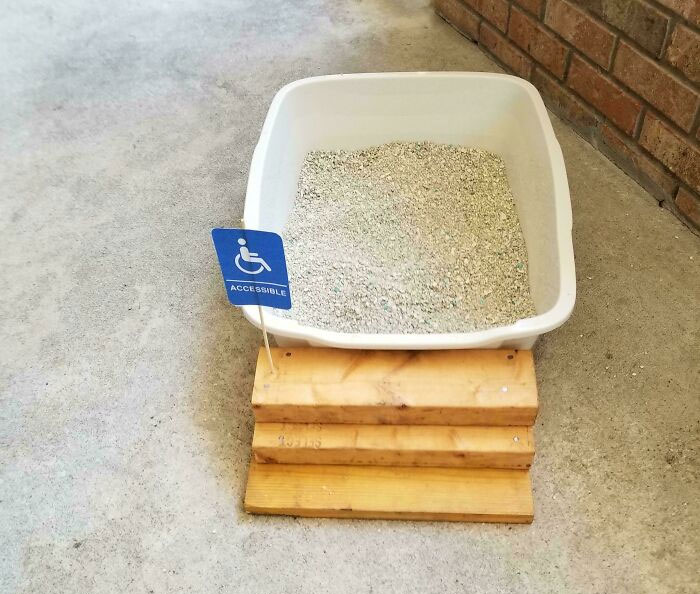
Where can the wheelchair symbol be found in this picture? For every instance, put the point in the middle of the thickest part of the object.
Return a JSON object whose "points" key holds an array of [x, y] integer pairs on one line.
{"points": [[251, 257]]}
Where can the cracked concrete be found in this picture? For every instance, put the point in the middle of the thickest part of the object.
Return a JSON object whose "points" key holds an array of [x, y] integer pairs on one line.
{"points": [[125, 423]]}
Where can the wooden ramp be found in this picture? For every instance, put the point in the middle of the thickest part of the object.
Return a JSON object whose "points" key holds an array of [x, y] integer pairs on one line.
{"points": [[394, 445], [459, 387], [437, 435], [457, 494]]}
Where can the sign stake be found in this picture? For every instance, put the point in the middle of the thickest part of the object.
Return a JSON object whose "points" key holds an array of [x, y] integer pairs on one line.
{"points": [[267, 343]]}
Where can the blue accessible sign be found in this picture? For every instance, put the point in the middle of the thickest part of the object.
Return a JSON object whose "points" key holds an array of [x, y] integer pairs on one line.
{"points": [[253, 267]]}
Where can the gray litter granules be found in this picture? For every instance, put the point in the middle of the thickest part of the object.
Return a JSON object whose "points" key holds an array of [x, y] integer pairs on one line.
{"points": [[406, 237]]}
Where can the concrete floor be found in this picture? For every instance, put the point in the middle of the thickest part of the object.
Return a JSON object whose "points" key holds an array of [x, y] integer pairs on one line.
{"points": [[125, 423]]}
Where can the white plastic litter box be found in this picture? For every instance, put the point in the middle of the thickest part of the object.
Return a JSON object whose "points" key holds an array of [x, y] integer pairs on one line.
{"points": [[500, 113]]}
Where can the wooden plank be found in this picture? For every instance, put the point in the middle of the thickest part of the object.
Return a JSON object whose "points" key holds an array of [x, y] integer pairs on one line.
{"points": [[456, 494], [457, 387], [394, 445]]}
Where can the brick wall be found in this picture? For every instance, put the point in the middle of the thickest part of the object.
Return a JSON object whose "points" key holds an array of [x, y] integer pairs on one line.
{"points": [[624, 73]]}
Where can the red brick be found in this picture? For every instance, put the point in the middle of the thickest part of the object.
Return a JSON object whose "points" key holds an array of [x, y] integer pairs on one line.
{"points": [[565, 103], [628, 157], [538, 42], [505, 51], [459, 16], [496, 12], [689, 205], [688, 9], [534, 6], [638, 19], [674, 151], [660, 88], [581, 30], [603, 94], [684, 52]]}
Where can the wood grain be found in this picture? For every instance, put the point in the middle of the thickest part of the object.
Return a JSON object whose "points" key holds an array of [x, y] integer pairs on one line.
{"points": [[394, 445], [455, 494], [456, 387]]}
